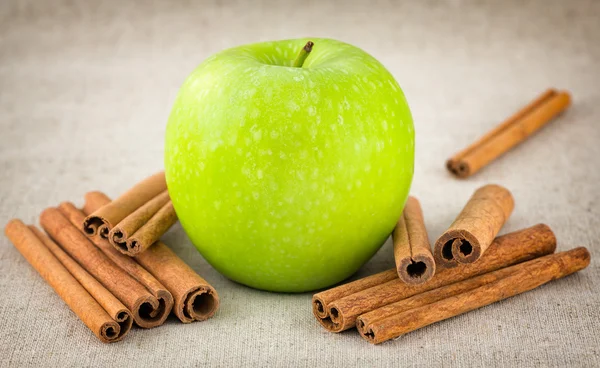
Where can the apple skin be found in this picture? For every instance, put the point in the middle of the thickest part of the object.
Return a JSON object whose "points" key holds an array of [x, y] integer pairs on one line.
{"points": [[289, 178]]}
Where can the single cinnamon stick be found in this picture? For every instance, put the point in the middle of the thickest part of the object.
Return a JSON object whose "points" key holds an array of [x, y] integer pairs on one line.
{"points": [[195, 299], [127, 263], [147, 310], [115, 309], [509, 134], [412, 251], [152, 230], [89, 311], [506, 250], [518, 279], [129, 225], [475, 227], [114, 212]]}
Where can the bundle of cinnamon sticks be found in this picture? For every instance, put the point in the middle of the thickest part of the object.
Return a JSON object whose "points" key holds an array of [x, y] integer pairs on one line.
{"points": [[469, 268], [102, 283]]}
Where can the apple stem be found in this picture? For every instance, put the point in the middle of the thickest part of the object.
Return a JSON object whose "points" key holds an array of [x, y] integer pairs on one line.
{"points": [[303, 54]]}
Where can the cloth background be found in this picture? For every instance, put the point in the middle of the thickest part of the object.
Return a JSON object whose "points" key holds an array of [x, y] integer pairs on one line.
{"points": [[85, 92]]}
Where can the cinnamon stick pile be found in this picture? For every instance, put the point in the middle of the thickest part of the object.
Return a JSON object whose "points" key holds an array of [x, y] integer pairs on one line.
{"points": [[472, 268], [104, 286]]}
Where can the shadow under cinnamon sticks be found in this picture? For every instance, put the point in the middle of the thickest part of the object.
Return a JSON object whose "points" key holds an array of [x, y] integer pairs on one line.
{"points": [[337, 309]]}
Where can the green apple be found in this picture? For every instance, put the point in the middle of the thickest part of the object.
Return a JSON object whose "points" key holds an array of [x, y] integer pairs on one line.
{"points": [[288, 173]]}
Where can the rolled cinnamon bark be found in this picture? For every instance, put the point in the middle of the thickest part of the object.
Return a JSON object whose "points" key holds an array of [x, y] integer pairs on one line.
{"points": [[115, 309], [321, 300], [195, 299], [475, 227], [129, 225], [115, 211], [89, 311], [127, 263], [507, 283], [412, 251], [152, 230], [147, 310], [506, 250], [509, 134]]}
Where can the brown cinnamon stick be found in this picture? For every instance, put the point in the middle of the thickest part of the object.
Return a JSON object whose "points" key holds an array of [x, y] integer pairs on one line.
{"points": [[115, 211], [509, 134], [506, 250], [425, 309], [89, 311], [147, 310], [115, 309], [412, 251], [152, 230], [127, 263], [195, 299], [127, 227], [475, 227]]}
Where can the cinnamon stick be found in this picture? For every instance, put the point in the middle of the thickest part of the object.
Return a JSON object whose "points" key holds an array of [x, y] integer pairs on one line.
{"points": [[114, 212], [87, 309], [498, 285], [128, 264], [152, 230], [412, 251], [120, 234], [115, 309], [509, 134], [506, 250], [475, 227], [147, 310], [195, 299]]}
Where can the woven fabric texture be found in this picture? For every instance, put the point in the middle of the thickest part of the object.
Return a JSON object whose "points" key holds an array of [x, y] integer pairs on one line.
{"points": [[85, 92]]}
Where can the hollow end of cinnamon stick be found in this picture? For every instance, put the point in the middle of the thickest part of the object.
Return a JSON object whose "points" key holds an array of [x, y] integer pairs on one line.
{"points": [[92, 224], [319, 309], [458, 167], [453, 243], [416, 270], [150, 312], [198, 304], [118, 239]]}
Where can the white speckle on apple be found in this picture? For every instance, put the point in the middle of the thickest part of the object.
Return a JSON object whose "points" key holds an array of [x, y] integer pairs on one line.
{"points": [[357, 147], [358, 183], [355, 88], [299, 78], [256, 195], [217, 205], [259, 174], [336, 87], [292, 105], [340, 119], [312, 111], [282, 155], [274, 134], [257, 135], [384, 124]]}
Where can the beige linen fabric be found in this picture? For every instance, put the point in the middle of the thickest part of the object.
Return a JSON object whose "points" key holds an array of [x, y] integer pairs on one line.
{"points": [[85, 92]]}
